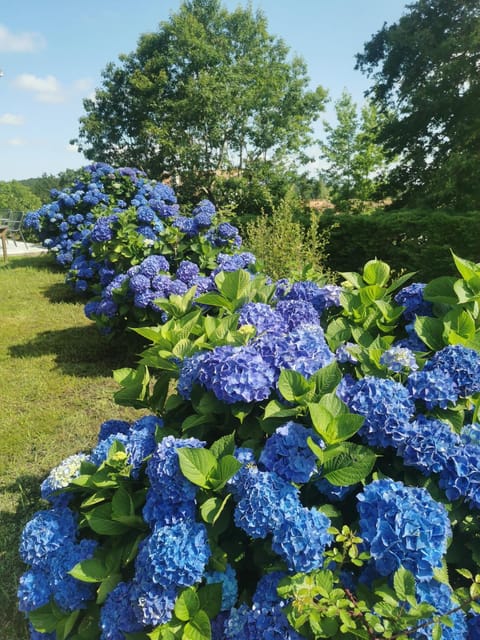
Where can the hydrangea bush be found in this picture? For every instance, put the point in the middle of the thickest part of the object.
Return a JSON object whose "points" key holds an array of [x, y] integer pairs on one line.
{"points": [[125, 243], [310, 469]]}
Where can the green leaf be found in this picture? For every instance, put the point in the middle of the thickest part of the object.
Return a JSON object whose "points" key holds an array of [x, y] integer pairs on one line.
{"points": [[43, 619], [347, 463], [467, 269], [100, 520], [327, 379], [233, 284], [196, 464], [223, 446], [354, 278], [342, 428], [186, 605], [430, 330], [441, 290], [371, 293], [275, 409], [106, 586], [66, 624], [226, 467], [293, 386], [210, 596], [404, 585], [198, 628], [376, 272], [91, 570], [122, 503]]}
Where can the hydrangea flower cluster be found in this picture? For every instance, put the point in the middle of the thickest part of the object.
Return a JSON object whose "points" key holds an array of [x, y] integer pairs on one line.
{"points": [[403, 526]]}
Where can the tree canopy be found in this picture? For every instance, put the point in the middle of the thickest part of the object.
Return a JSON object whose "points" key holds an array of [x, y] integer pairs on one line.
{"points": [[426, 80], [210, 91], [354, 159], [17, 197]]}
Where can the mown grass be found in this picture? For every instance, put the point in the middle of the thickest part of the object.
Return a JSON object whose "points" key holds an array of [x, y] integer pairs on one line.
{"points": [[56, 388]]}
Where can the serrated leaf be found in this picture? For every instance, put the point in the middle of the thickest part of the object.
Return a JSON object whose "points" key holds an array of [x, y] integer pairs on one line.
{"points": [[441, 290], [430, 331], [225, 468], [100, 521], [198, 628], [347, 463], [43, 619], [292, 385], [276, 409], [210, 596], [327, 379], [376, 272], [90, 570], [186, 605], [196, 464], [404, 585], [224, 445]]}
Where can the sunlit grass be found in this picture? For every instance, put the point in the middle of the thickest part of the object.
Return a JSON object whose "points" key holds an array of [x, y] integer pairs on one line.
{"points": [[55, 390]]}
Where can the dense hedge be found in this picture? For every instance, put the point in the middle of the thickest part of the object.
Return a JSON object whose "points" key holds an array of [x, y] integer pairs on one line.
{"points": [[411, 240]]}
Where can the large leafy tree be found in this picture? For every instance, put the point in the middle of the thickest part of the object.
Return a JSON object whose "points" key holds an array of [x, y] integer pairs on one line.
{"points": [[354, 158], [210, 91], [426, 77]]}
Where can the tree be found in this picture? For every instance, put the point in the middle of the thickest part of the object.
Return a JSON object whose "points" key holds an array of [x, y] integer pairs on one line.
{"points": [[354, 158], [208, 93], [426, 80], [17, 197]]}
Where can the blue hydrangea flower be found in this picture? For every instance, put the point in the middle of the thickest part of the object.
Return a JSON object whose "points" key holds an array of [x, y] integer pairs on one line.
{"points": [[470, 433], [187, 272], [440, 595], [387, 408], [296, 313], [236, 374], [461, 364], [100, 453], [61, 476], [398, 359], [163, 470], [152, 604], [286, 452], [157, 511], [301, 538], [411, 297], [34, 590], [228, 580], [403, 526], [333, 492], [117, 616], [175, 555], [436, 388], [264, 500], [262, 316], [69, 593], [112, 427], [428, 445], [258, 623], [45, 534], [266, 590], [304, 350], [460, 476]]}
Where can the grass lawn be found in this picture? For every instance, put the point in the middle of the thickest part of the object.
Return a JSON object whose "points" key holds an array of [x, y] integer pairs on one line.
{"points": [[56, 389]]}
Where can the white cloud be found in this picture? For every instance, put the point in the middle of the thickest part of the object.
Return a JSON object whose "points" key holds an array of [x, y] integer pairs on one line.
{"points": [[16, 142], [11, 119], [46, 89], [25, 42], [83, 85]]}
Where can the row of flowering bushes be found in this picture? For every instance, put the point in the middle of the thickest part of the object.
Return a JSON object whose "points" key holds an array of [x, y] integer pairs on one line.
{"points": [[310, 468], [125, 243]]}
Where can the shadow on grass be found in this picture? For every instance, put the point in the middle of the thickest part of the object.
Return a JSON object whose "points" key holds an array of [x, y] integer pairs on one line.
{"points": [[82, 351], [25, 492], [61, 292], [41, 261]]}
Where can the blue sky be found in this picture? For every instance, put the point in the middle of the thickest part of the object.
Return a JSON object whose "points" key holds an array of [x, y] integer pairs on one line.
{"points": [[52, 54]]}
